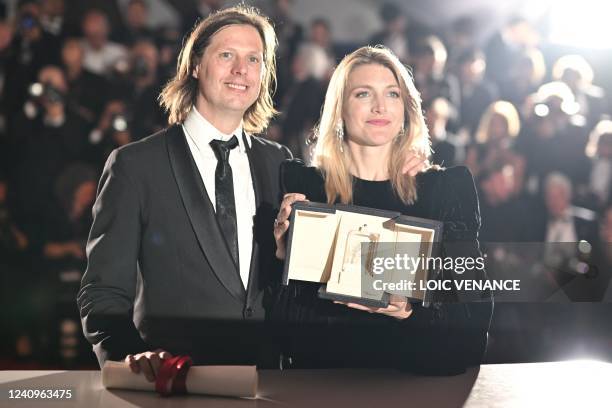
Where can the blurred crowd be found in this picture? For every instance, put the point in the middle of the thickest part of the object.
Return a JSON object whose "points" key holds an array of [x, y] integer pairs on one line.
{"points": [[79, 79]]}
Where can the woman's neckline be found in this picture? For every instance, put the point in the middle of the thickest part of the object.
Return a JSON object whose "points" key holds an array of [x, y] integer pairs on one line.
{"points": [[370, 181]]}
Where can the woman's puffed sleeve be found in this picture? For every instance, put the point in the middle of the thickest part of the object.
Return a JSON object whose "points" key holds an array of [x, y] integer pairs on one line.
{"points": [[461, 212], [461, 216], [292, 175], [454, 327]]}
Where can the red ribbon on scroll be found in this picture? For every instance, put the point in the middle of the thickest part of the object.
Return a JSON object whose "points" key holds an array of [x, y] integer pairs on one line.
{"points": [[172, 375]]}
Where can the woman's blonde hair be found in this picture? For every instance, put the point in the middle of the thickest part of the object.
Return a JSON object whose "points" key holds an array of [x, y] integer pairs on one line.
{"points": [[575, 63], [334, 160], [603, 129], [500, 108], [179, 94], [535, 58]]}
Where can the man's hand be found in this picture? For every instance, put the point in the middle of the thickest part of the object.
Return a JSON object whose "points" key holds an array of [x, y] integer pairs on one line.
{"points": [[398, 308], [281, 224], [414, 164], [148, 362]]}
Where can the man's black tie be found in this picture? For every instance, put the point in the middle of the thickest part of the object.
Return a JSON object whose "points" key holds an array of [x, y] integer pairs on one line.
{"points": [[224, 194]]}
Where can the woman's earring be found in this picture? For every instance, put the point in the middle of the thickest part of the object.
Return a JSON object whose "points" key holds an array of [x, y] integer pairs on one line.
{"points": [[401, 133], [339, 130]]}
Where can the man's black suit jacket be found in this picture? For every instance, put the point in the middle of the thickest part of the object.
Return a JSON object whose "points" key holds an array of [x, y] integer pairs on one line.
{"points": [[583, 219], [159, 273]]}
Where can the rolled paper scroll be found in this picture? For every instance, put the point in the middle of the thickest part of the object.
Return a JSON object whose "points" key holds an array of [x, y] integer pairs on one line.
{"points": [[225, 381]]}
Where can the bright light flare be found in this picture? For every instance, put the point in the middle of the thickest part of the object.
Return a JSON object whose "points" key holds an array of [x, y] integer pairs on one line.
{"points": [[582, 24]]}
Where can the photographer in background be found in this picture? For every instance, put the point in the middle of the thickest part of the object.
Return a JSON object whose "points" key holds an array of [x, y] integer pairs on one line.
{"points": [[87, 91], [577, 73], [48, 135], [31, 49], [525, 73], [114, 130], [555, 137], [138, 84]]}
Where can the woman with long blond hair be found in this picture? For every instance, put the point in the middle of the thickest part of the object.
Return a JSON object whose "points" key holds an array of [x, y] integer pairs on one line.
{"points": [[494, 144], [370, 121]]}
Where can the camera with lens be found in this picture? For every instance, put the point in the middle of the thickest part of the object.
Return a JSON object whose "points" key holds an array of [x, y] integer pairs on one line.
{"points": [[40, 92], [119, 122], [126, 69]]}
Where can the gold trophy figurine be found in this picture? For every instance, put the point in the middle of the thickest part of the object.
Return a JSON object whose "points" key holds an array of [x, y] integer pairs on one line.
{"points": [[351, 261]]}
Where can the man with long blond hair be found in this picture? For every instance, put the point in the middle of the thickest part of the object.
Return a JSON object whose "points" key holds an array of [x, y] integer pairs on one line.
{"points": [[181, 248]]}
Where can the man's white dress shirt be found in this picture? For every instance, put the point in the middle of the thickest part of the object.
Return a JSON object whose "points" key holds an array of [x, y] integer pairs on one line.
{"points": [[561, 229], [199, 133]]}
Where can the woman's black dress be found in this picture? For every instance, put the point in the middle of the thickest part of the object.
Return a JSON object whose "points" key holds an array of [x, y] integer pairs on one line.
{"points": [[441, 339]]}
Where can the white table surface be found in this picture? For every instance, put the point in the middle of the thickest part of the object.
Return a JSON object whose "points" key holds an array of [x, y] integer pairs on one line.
{"points": [[558, 384]]}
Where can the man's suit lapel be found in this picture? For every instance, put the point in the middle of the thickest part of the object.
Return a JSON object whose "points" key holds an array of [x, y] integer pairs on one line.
{"points": [[201, 212], [257, 165], [258, 172]]}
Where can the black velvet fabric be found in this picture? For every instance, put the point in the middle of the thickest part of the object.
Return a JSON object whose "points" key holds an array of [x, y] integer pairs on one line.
{"points": [[442, 339]]}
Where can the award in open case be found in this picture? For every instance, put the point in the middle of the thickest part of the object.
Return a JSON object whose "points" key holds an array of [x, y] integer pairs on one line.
{"points": [[339, 246]]}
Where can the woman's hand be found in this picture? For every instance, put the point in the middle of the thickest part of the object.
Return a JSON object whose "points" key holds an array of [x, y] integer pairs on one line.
{"points": [[281, 224], [398, 308], [415, 163]]}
